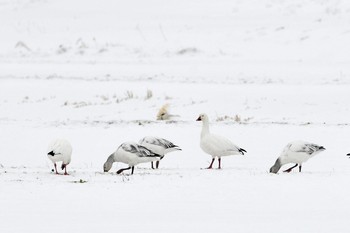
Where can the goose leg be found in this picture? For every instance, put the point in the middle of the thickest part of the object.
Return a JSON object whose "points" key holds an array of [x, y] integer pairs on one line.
{"points": [[157, 164], [152, 165], [300, 168], [56, 168], [65, 170], [219, 163], [291, 168], [132, 170], [211, 164], [123, 169]]}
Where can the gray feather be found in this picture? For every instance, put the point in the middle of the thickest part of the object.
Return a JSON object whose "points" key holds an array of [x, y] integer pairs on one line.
{"points": [[310, 148], [159, 142], [139, 150]]}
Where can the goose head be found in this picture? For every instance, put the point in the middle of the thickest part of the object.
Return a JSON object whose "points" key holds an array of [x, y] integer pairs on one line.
{"points": [[203, 117], [276, 167], [107, 166]]}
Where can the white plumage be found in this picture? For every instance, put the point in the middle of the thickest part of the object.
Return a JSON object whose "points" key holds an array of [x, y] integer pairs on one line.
{"points": [[296, 152], [132, 154], [215, 145], [159, 146], [60, 150]]}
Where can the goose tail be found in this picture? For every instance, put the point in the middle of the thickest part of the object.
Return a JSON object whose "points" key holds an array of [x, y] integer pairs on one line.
{"points": [[242, 151]]}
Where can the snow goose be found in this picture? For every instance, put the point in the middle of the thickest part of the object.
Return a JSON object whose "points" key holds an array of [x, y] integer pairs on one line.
{"points": [[296, 152], [215, 145], [60, 150], [132, 154], [159, 146]]}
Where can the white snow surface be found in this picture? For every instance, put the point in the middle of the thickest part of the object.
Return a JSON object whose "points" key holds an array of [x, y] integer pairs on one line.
{"points": [[266, 72]]}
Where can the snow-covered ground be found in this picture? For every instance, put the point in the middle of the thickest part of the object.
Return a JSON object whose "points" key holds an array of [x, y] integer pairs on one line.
{"points": [[96, 73]]}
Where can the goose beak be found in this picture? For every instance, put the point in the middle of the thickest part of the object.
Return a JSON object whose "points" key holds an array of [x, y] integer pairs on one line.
{"points": [[199, 118]]}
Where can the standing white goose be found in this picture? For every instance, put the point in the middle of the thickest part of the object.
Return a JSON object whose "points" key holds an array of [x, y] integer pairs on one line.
{"points": [[159, 146], [60, 150], [132, 154], [296, 152], [215, 145]]}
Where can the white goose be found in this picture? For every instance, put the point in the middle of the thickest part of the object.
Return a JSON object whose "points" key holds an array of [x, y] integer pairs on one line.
{"points": [[60, 150], [215, 145], [159, 146], [296, 152], [132, 154]]}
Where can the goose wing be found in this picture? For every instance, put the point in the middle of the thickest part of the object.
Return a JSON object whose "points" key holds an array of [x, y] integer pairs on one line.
{"points": [[158, 142], [138, 150], [221, 144], [305, 147]]}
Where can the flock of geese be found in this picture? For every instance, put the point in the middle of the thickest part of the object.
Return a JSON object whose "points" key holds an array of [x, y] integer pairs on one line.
{"points": [[153, 149]]}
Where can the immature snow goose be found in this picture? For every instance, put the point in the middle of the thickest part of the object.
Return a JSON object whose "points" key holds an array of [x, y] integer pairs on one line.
{"points": [[159, 146], [132, 154], [60, 150], [215, 145], [296, 152]]}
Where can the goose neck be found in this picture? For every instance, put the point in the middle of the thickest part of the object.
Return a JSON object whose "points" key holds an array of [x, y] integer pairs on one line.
{"points": [[111, 158], [205, 128]]}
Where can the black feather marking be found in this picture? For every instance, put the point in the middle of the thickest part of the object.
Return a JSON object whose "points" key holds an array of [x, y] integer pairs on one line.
{"points": [[146, 152], [311, 148], [139, 150], [160, 142], [242, 151]]}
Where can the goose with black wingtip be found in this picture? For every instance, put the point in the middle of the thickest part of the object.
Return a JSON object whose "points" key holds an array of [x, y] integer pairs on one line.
{"points": [[296, 152], [215, 145], [132, 154], [60, 150]]}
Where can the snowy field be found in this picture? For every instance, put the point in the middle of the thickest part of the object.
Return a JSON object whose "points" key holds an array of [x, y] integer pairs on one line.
{"points": [[266, 72]]}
